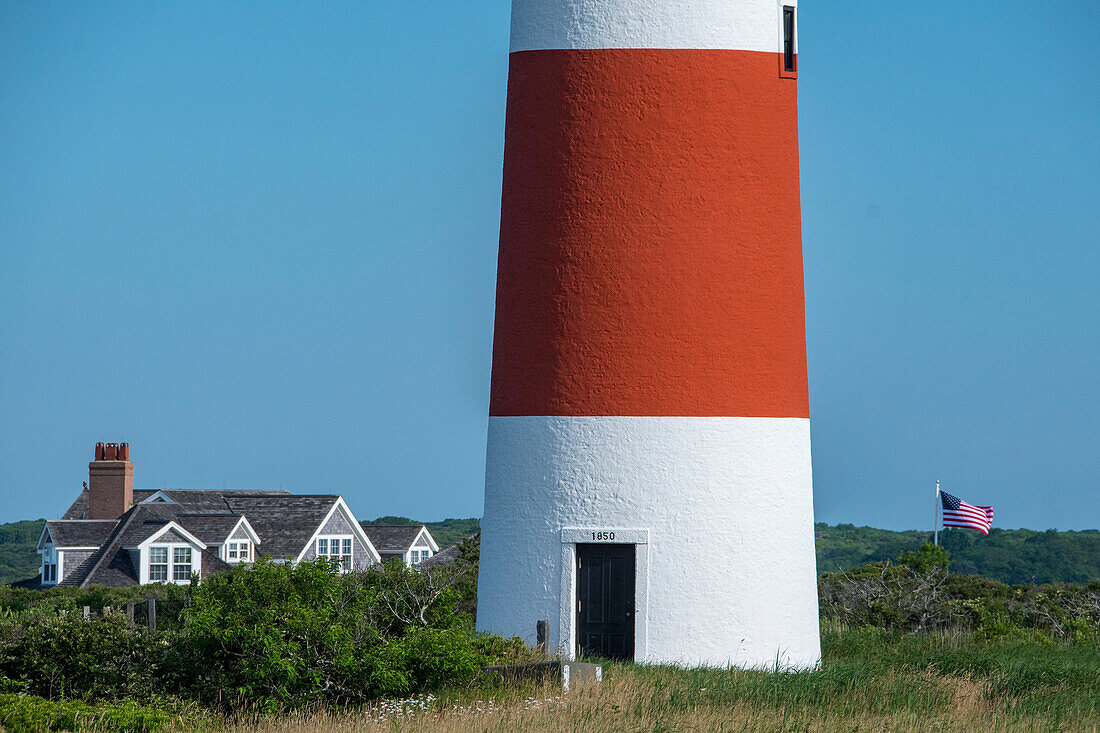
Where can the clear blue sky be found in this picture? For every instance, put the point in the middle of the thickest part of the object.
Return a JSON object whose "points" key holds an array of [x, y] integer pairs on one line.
{"points": [[258, 242]]}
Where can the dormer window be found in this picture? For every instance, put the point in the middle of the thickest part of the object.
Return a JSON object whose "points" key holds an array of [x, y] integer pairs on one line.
{"points": [[239, 551], [158, 564], [181, 563], [171, 563], [335, 548]]}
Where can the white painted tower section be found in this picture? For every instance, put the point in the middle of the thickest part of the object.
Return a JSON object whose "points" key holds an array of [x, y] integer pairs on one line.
{"points": [[725, 502]]}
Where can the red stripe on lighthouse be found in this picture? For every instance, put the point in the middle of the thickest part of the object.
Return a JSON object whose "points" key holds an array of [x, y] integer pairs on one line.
{"points": [[650, 250]]}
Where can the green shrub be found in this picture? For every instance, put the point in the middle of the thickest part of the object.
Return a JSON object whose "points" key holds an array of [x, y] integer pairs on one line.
{"points": [[290, 636], [24, 602], [103, 657], [918, 594], [21, 713]]}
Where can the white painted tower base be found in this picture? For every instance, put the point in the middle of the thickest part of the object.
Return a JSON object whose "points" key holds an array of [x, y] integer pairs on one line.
{"points": [[719, 508]]}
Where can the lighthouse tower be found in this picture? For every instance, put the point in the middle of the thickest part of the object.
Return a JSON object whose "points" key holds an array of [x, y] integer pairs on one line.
{"points": [[648, 488]]}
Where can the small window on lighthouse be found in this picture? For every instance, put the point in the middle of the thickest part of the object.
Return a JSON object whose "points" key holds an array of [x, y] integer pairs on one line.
{"points": [[788, 38]]}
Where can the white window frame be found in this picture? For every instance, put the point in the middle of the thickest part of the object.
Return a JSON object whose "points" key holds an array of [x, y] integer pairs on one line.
{"points": [[167, 564], [347, 542], [177, 564], [171, 563], [238, 551]]}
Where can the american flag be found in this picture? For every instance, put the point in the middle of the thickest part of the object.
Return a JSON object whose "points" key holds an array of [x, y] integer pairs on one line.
{"points": [[957, 513]]}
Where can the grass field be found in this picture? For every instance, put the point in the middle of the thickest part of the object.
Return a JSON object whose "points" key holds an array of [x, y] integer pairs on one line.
{"points": [[870, 680]]}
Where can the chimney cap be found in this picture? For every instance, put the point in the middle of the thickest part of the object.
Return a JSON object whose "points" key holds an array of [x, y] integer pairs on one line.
{"points": [[112, 451]]}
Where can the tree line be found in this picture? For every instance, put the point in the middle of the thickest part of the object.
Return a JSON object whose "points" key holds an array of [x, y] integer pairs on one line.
{"points": [[1011, 556]]}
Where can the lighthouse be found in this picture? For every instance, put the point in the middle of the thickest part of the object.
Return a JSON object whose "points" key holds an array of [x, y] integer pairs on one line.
{"points": [[648, 488]]}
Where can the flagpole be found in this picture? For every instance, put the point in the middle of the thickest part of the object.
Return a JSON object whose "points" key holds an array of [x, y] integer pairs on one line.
{"points": [[936, 517]]}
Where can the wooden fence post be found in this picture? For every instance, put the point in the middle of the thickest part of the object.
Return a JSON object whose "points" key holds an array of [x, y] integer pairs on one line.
{"points": [[87, 612], [130, 612], [152, 614]]}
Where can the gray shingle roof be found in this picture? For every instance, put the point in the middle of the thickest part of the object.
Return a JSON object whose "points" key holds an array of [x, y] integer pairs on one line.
{"points": [[98, 569], [214, 500], [211, 564], [80, 533], [391, 538], [283, 521], [196, 499], [79, 508], [442, 558], [210, 528]]}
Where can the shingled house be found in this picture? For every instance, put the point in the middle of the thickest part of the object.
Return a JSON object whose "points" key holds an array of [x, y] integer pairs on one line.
{"points": [[116, 535], [412, 543]]}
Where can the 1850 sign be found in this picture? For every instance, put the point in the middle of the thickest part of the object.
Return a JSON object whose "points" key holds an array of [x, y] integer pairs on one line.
{"points": [[603, 536]]}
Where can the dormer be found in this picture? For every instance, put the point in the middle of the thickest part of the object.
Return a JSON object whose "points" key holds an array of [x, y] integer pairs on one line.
{"points": [[169, 555], [241, 543], [160, 497]]}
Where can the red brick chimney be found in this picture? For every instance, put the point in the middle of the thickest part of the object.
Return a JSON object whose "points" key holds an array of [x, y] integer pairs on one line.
{"points": [[110, 481]]}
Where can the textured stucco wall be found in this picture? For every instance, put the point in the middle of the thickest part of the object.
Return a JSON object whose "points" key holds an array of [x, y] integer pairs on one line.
{"points": [[728, 508], [747, 25], [650, 239]]}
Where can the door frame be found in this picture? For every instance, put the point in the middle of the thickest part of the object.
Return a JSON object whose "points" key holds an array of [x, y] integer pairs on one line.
{"points": [[570, 538]]}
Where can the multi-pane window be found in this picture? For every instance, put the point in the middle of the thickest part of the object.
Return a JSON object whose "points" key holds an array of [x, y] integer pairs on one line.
{"points": [[335, 548], [240, 551], [158, 563], [181, 563], [170, 563], [416, 556], [49, 573]]}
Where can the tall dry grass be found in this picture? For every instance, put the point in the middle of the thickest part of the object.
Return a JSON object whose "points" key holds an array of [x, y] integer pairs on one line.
{"points": [[633, 699]]}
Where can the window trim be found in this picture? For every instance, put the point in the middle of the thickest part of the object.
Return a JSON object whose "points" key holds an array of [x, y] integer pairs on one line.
{"points": [[347, 542], [177, 564], [194, 565], [167, 564], [788, 44], [238, 551]]}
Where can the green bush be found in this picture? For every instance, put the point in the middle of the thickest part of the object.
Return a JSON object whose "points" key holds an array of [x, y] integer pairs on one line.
{"points": [[171, 601], [280, 635], [103, 657], [21, 713], [266, 637], [918, 594]]}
